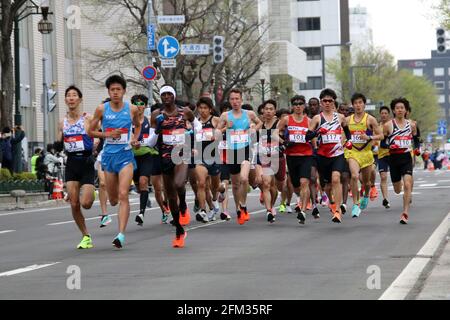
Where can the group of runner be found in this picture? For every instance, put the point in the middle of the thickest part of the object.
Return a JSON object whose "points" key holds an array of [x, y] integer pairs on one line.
{"points": [[311, 149]]}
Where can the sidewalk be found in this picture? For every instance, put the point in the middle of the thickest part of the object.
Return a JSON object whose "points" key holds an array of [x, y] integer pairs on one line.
{"points": [[437, 284]]}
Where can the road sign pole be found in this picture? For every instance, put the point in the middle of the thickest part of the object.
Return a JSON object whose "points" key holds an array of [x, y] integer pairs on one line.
{"points": [[151, 19]]}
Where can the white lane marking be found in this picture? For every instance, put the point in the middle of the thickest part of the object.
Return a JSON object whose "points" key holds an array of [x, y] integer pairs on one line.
{"points": [[27, 269], [443, 181], [7, 231], [404, 283], [428, 185]]}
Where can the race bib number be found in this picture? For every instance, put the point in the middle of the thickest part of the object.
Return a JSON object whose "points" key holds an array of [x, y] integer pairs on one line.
{"points": [[174, 137], [204, 135], [123, 139], [332, 137], [403, 142], [145, 139], [268, 148], [297, 136], [357, 137], [223, 145], [239, 136], [74, 144]]}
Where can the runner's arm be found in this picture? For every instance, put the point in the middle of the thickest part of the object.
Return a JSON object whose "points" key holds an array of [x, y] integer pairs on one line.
{"points": [[153, 136], [373, 123], [137, 126], [94, 124]]}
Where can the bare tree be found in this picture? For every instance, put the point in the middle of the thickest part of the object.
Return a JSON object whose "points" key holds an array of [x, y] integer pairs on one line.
{"points": [[9, 10], [243, 32]]}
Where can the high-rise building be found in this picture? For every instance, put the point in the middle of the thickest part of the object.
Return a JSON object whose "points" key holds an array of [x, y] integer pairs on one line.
{"points": [[319, 24], [437, 70], [361, 34]]}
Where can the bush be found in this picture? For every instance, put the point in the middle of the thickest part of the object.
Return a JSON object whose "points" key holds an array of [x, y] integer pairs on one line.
{"points": [[25, 176], [5, 174]]}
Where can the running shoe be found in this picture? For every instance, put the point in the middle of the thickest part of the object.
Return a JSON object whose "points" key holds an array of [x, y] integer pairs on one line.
{"points": [[356, 211], [86, 243], [333, 208], [325, 201], [282, 208], [288, 210], [202, 217], [196, 207], [164, 218], [119, 241], [244, 212], [185, 217], [316, 213], [364, 203], [225, 216], [105, 220], [373, 193], [337, 218], [301, 217], [241, 217], [212, 214], [386, 204], [343, 208], [404, 218], [270, 216], [298, 208], [178, 242], [261, 198], [140, 219]]}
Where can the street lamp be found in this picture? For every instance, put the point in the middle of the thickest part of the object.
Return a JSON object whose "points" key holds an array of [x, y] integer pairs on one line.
{"points": [[368, 66], [348, 44], [28, 10]]}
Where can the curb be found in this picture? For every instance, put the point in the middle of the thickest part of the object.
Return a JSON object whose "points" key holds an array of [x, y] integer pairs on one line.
{"points": [[409, 278]]}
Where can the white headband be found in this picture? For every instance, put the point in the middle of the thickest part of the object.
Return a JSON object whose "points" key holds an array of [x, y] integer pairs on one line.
{"points": [[168, 89]]}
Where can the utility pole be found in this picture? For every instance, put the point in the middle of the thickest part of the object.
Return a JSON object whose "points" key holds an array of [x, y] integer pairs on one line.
{"points": [[151, 19], [45, 101]]}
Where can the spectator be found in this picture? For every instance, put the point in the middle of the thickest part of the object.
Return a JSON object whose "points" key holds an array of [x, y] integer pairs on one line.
{"points": [[36, 155], [16, 143], [51, 161], [6, 146]]}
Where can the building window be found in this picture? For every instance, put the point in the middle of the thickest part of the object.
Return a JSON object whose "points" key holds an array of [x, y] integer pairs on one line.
{"points": [[440, 85], [314, 83], [418, 72], [438, 72], [313, 53], [308, 24], [441, 98]]}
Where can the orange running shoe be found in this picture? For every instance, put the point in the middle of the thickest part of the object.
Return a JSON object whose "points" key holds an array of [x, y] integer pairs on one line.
{"points": [[241, 217], [185, 217], [178, 242], [333, 208], [337, 218], [246, 214], [404, 218], [373, 193]]}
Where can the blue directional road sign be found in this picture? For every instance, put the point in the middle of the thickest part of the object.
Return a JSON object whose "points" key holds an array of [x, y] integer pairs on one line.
{"points": [[442, 131], [149, 73], [151, 43], [168, 47]]}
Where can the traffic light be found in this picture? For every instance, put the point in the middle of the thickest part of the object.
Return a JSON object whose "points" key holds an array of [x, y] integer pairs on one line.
{"points": [[441, 40], [218, 49], [51, 100]]}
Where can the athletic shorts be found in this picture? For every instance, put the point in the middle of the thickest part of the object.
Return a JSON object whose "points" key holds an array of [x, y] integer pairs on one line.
{"points": [[213, 169], [144, 167], [224, 172], [400, 165], [115, 162], [236, 157], [326, 167], [80, 170], [274, 166], [383, 164], [364, 158], [299, 167], [156, 165]]}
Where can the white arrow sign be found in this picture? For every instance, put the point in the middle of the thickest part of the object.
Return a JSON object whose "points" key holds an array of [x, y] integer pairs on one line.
{"points": [[168, 50]]}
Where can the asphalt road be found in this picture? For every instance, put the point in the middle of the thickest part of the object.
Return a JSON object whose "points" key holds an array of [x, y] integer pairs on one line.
{"points": [[221, 260]]}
